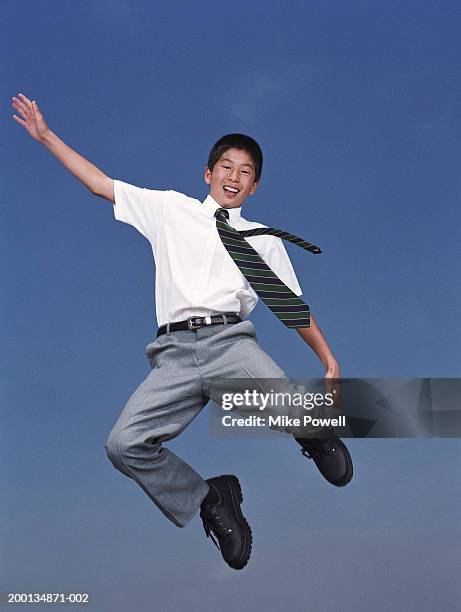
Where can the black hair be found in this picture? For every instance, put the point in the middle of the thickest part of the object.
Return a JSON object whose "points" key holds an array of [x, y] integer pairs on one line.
{"points": [[237, 141]]}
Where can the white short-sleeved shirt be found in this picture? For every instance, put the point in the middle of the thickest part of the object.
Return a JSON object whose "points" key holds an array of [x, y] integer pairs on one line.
{"points": [[195, 275]]}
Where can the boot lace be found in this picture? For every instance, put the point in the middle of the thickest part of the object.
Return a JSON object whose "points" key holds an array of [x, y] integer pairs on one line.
{"points": [[214, 525], [316, 446]]}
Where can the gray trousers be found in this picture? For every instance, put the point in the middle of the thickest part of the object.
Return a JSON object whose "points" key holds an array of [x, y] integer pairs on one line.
{"points": [[174, 392]]}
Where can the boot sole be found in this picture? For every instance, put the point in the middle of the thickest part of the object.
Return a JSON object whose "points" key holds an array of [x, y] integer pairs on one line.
{"points": [[237, 498], [350, 471]]}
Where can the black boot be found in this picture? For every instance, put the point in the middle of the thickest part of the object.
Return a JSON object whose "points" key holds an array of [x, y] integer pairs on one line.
{"points": [[222, 517], [330, 455]]}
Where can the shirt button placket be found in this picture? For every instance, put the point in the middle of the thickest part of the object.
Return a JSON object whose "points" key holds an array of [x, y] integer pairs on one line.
{"points": [[205, 267]]}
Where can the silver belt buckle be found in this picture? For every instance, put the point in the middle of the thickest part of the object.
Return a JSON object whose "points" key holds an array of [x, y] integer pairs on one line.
{"points": [[192, 325]]}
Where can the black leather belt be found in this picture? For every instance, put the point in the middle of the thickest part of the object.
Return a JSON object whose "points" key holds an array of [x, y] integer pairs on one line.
{"points": [[194, 323]]}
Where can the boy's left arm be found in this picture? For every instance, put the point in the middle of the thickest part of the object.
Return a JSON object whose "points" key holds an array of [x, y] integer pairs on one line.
{"points": [[316, 340]]}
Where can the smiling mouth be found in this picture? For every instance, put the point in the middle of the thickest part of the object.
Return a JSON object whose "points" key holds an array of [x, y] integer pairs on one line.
{"points": [[231, 190]]}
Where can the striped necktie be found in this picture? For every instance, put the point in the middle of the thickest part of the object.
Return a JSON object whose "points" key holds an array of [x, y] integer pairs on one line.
{"points": [[287, 306]]}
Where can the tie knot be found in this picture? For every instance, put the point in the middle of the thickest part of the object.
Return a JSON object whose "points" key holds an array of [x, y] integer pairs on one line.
{"points": [[222, 214]]}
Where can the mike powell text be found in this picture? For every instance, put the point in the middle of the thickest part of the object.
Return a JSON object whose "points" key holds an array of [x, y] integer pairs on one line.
{"points": [[282, 421]]}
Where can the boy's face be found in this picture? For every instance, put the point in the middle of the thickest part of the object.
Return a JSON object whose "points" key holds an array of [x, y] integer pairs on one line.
{"points": [[232, 179]]}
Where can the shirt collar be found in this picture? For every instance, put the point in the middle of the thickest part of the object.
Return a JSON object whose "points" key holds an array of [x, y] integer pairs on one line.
{"points": [[211, 206]]}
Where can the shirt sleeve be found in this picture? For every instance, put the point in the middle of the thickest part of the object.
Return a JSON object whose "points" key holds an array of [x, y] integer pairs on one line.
{"points": [[140, 207]]}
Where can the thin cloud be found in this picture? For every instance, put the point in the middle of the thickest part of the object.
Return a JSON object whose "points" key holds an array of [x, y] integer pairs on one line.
{"points": [[266, 89]]}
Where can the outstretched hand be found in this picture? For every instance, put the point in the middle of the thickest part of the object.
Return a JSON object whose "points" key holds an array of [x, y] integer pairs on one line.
{"points": [[32, 119]]}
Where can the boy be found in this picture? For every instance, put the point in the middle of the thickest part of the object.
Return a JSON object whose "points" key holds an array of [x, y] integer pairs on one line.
{"points": [[201, 294]]}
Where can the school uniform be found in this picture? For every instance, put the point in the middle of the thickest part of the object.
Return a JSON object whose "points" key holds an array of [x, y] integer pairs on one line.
{"points": [[195, 276]]}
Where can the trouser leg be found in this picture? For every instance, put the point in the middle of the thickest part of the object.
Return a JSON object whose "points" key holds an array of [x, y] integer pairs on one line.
{"points": [[159, 410], [239, 364]]}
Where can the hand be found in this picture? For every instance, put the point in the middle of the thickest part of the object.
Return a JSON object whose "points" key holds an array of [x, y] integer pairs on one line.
{"points": [[333, 383], [32, 119]]}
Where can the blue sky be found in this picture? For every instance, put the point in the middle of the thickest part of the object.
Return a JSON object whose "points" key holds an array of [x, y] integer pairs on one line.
{"points": [[357, 108]]}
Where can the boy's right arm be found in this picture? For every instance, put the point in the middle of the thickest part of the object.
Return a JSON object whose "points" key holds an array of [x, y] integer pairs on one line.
{"points": [[33, 121]]}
